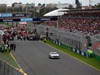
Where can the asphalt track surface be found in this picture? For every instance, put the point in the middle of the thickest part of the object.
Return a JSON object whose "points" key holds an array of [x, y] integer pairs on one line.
{"points": [[32, 56]]}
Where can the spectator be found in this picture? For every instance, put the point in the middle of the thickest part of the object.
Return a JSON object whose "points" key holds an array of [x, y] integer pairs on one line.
{"points": [[13, 46]]}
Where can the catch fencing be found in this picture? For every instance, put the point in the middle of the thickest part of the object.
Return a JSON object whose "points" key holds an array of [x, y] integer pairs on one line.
{"points": [[6, 69], [72, 39]]}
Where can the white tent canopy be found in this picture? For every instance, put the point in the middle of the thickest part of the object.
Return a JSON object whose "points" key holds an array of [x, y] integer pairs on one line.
{"points": [[57, 12], [22, 22]]}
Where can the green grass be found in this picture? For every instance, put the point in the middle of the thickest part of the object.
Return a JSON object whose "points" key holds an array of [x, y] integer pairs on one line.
{"points": [[91, 61], [6, 24], [6, 57]]}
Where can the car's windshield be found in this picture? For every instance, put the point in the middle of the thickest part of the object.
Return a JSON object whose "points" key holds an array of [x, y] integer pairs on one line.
{"points": [[53, 52]]}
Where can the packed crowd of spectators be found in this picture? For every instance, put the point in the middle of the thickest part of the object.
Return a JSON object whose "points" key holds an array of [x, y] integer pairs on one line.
{"points": [[7, 42], [85, 25], [51, 23]]}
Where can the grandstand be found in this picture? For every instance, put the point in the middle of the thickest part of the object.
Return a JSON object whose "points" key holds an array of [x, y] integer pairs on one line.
{"points": [[85, 21]]}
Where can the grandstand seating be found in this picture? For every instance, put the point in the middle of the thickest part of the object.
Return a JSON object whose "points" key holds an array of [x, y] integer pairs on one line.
{"points": [[87, 22], [84, 25]]}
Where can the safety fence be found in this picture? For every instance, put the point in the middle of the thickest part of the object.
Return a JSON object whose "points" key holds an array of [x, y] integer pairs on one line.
{"points": [[6, 69], [75, 40]]}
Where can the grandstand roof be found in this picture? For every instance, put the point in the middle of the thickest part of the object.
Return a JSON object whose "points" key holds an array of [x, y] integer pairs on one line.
{"points": [[57, 12], [83, 11]]}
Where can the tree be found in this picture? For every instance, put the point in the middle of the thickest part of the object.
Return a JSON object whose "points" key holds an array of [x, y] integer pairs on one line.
{"points": [[70, 6], [39, 4], [97, 5], [78, 4], [3, 9]]}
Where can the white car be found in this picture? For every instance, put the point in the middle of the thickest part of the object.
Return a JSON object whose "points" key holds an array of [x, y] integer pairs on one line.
{"points": [[54, 55]]}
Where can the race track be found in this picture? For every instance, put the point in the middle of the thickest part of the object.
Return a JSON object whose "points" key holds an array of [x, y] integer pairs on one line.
{"points": [[32, 56]]}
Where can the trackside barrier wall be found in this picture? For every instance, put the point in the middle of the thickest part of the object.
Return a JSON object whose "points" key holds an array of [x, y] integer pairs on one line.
{"points": [[70, 48], [96, 45], [5, 69]]}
